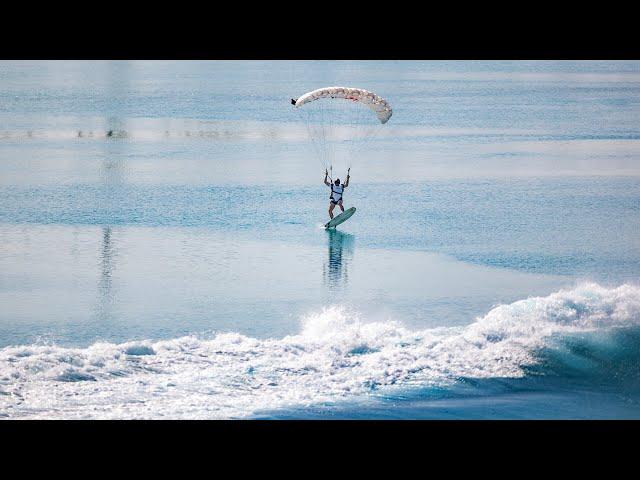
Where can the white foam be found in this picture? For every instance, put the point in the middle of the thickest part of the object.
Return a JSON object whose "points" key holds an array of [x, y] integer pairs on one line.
{"points": [[336, 355]]}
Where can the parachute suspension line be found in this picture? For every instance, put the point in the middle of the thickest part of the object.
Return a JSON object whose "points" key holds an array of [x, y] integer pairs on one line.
{"points": [[317, 145], [329, 139], [366, 128], [326, 136], [332, 139], [326, 121], [320, 128], [353, 143]]}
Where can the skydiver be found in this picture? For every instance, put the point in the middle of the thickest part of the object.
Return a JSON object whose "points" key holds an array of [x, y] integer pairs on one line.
{"points": [[336, 191]]}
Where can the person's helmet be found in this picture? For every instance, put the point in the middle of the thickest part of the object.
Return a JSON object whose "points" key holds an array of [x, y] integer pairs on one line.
{"points": [[337, 182]]}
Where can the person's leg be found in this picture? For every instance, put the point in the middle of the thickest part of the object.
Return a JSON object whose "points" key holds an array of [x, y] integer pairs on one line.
{"points": [[340, 205], [331, 207]]}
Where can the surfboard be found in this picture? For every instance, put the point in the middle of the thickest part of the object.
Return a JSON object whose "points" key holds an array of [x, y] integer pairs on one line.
{"points": [[343, 217]]}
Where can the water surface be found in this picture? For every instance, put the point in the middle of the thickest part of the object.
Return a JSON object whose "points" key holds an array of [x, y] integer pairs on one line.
{"points": [[163, 254]]}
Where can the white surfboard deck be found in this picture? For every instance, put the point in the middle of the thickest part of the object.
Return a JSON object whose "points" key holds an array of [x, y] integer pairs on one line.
{"points": [[343, 217]]}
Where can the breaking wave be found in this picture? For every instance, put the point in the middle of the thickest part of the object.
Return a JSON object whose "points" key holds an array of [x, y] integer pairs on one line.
{"points": [[337, 355]]}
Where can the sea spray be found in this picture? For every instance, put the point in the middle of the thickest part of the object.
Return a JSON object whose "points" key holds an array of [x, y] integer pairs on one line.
{"points": [[337, 355]]}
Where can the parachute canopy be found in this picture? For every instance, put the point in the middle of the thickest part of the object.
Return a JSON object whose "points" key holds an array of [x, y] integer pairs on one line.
{"points": [[378, 104], [341, 124]]}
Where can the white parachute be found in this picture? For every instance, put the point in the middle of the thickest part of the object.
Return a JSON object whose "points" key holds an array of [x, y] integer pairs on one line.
{"points": [[341, 122]]}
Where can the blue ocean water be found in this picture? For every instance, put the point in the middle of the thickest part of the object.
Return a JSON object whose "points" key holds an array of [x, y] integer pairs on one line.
{"points": [[163, 254]]}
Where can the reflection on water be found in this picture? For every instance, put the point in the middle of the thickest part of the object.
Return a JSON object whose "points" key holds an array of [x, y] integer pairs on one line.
{"points": [[112, 175], [106, 271], [336, 270], [106, 258]]}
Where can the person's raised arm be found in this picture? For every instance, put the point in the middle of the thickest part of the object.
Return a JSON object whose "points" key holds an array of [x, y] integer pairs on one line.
{"points": [[346, 184], [326, 174]]}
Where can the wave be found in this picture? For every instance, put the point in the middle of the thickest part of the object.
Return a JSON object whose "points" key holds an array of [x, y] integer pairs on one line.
{"points": [[337, 355]]}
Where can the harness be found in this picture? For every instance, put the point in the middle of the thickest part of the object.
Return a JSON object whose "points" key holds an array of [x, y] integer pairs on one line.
{"points": [[336, 193]]}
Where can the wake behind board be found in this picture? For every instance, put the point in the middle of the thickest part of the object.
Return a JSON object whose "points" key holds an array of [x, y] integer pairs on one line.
{"points": [[343, 217]]}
